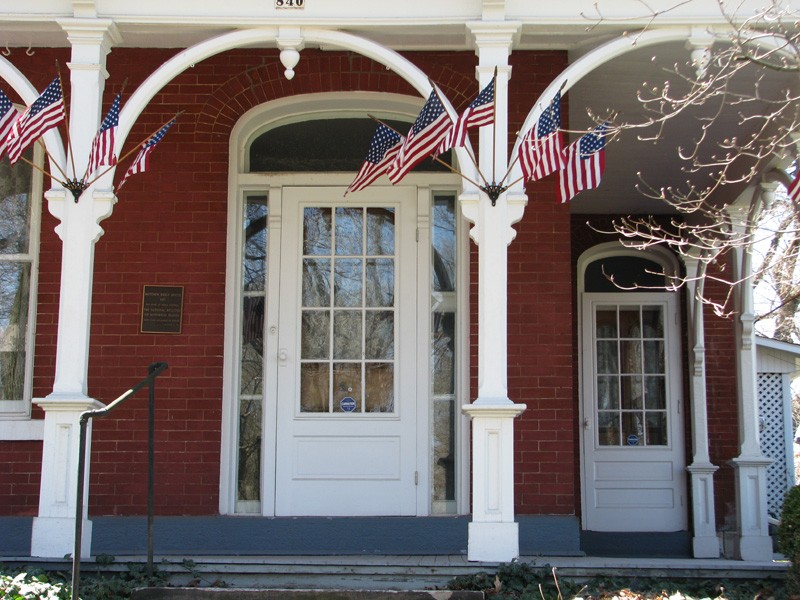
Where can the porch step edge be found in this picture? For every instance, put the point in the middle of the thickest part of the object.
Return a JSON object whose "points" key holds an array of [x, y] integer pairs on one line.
{"points": [[194, 593]]}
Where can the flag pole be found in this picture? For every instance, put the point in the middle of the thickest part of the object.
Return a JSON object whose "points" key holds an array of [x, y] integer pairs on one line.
{"points": [[41, 170], [469, 151], [135, 148], [66, 122], [44, 147], [433, 156], [494, 125]]}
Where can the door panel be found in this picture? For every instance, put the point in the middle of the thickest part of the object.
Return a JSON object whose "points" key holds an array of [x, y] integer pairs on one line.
{"points": [[633, 453], [346, 426]]}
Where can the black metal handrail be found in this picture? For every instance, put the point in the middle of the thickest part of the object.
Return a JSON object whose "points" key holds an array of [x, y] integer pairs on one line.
{"points": [[153, 371]]}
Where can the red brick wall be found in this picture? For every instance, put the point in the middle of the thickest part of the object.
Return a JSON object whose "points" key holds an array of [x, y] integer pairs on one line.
{"points": [[723, 424], [540, 351], [169, 228], [19, 478]]}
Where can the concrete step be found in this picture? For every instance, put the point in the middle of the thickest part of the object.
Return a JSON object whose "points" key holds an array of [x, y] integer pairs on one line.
{"points": [[294, 594]]}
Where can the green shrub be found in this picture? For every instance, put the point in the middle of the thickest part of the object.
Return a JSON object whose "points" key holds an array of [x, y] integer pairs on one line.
{"points": [[789, 530], [27, 586], [789, 537]]}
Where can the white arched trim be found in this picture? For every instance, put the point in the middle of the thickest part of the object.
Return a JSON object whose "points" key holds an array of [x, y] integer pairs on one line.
{"points": [[663, 257], [20, 84], [237, 39], [585, 65]]}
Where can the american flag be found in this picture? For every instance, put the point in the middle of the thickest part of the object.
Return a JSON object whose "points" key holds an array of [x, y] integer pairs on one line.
{"points": [[141, 163], [584, 162], [382, 151], [46, 112], [794, 188], [427, 132], [480, 112], [8, 114], [541, 148], [102, 152]]}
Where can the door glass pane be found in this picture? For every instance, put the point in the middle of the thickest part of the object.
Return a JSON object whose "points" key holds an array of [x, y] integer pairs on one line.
{"points": [[379, 387], [655, 392], [252, 358], [653, 356], [607, 392], [315, 334], [380, 282], [349, 231], [314, 387], [347, 387], [629, 326], [608, 428], [345, 321], [606, 324], [656, 429], [347, 334], [347, 282], [316, 282], [632, 429], [379, 338], [633, 404], [443, 354], [607, 359], [253, 274], [631, 356], [249, 456], [317, 231], [653, 322], [380, 231], [632, 392]]}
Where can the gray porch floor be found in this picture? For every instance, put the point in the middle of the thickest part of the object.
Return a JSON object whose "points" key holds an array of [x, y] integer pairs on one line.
{"points": [[316, 536], [369, 553]]}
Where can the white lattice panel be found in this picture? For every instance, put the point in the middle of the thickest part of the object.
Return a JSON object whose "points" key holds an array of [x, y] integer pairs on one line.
{"points": [[773, 437]]}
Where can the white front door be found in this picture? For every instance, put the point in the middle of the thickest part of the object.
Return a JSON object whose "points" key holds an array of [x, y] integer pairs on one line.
{"points": [[347, 402], [633, 465]]}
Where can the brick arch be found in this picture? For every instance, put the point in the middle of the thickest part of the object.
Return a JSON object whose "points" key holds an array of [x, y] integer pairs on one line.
{"points": [[317, 72]]}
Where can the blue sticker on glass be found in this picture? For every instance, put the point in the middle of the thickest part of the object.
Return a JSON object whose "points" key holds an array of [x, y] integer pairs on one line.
{"points": [[633, 440], [347, 404]]}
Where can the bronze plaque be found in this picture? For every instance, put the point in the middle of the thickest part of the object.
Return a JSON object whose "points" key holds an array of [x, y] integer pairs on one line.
{"points": [[162, 309]]}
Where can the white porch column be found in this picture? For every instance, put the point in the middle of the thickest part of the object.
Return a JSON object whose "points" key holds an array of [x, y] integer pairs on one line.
{"points": [[493, 533], [750, 466], [705, 543], [53, 528]]}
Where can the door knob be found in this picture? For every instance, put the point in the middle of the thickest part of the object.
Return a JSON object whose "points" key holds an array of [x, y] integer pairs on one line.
{"points": [[283, 355]]}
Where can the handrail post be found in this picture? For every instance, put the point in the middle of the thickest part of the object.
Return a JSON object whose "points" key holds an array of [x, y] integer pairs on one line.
{"points": [[151, 443], [76, 551]]}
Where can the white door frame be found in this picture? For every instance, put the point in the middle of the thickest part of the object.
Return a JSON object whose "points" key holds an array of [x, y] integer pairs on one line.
{"points": [[391, 438], [670, 267]]}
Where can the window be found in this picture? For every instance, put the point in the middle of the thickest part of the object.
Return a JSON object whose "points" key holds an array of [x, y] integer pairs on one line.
{"points": [[20, 196]]}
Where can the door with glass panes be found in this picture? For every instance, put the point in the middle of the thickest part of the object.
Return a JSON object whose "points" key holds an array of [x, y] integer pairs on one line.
{"points": [[347, 402], [634, 466]]}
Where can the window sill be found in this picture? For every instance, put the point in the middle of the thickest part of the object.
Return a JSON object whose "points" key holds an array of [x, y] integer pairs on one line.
{"points": [[22, 430]]}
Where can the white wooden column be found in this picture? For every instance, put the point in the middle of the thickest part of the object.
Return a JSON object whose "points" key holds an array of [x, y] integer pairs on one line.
{"points": [[53, 528], [751, 465], [705, 542], [493, 533]]}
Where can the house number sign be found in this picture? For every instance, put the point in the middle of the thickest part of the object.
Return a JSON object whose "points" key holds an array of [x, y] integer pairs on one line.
{"points": [[289, 3]]}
